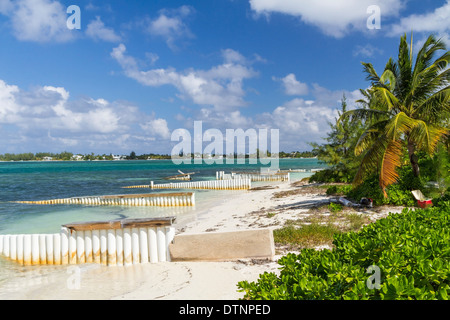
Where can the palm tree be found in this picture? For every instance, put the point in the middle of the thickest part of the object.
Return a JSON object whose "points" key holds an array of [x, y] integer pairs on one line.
{"points": [[406, 109]]}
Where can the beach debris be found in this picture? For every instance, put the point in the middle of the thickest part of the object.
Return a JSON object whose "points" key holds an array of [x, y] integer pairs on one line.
{"points": [[181, 176], [422, 201], [367, 202], [348, 203]]}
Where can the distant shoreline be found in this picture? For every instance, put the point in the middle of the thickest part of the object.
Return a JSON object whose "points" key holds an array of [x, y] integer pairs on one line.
{"points": [[156, 159]]}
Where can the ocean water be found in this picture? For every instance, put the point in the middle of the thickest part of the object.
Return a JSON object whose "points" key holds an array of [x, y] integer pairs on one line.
{"points": [[31, 181]]}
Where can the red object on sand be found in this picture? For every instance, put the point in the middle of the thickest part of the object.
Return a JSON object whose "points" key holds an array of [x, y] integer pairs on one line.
{"points": [[425, 204]]}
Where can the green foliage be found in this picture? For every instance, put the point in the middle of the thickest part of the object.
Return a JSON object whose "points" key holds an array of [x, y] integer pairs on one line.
{"points": [[338, 152], [334, 174], [410, 249], [408, 107], [308, 235], [335, 207], [398, 194], [297, 154], [339, 190], [442, 200]]}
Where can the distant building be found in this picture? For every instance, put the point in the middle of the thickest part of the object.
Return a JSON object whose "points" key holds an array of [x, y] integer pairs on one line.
{"points": [[77, 157], [47, 159], [117, 157]]}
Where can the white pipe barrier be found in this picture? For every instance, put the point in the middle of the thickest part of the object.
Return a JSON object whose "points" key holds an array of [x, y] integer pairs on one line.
{"points": [[236, 184], [120, 245], [156, 199], [221, 175]]}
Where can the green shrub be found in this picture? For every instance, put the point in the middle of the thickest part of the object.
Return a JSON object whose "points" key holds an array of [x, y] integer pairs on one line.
{"points": [[332, 175], [332, 190], [399, 194], [335, 207], [307, 236], [411, 249], [442, 201], [339, 190]]}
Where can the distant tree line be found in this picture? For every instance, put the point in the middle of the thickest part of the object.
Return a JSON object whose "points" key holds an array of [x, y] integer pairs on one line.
{"points": [[69, 156]]}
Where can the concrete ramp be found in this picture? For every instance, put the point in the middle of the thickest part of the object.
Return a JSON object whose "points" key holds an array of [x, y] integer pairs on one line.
{"points": [[223, 246]]}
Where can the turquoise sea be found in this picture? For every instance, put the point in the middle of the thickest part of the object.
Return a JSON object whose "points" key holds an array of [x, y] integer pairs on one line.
{"points": [[28, 181]]}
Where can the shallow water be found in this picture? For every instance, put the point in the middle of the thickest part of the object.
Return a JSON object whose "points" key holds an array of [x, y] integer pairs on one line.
{"points": [[30, 181]]}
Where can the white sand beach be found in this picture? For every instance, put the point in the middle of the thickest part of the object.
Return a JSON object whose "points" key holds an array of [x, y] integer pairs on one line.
{"points": [[180, 280]]}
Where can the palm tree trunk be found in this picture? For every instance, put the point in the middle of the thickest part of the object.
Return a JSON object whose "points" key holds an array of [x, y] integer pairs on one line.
{"points": [[413, 159]]}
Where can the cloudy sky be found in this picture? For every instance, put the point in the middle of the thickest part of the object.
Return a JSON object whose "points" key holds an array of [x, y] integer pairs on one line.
{"points": [[136, 71]]}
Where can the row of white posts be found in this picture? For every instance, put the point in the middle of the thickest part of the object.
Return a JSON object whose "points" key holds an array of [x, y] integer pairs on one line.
{"points": [[237, 184], [221, 175], [160, 200], [125, 242]]}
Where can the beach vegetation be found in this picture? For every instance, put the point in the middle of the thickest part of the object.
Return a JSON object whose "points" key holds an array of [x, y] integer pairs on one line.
{"points": [[319, 227], [338, 152], [306, 236], [397, 139], [409, 253], [335, 207], [406, 108]]}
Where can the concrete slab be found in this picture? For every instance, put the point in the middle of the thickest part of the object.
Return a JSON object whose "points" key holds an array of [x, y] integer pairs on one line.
{"points": [[223, 246]]}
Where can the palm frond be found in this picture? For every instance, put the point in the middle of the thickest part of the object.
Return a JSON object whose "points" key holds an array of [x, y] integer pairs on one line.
{"points": [[399, 125], [405, 69], [427, 137], [371, 159], [387, 98], [434, 107], [369, 136], [391, 160]]}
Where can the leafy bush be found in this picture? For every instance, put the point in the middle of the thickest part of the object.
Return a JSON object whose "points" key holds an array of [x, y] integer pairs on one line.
{"points": [[410, 249], [442, 201], [332, 175], [399, 194], [339, 190], [335, 207]]}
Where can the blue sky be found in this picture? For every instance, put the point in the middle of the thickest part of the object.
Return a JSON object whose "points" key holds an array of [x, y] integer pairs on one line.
{"points": [[137, 70]]}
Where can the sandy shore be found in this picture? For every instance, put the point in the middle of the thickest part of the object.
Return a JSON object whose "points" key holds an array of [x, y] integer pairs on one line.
{"points": [[180, 280]]}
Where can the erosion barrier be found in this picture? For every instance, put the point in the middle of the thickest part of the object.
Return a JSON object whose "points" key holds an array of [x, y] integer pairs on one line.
{"points": [[112, 243], [278, 176], [155, 199], [235, 184]]}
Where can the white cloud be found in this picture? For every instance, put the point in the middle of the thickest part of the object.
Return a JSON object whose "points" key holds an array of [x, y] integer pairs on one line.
{"points": [[46, 115], [437, 21], [367, 51], [97, 30], [221, 86], [8, 107], [157, 127], [292, 86], [6, 6], [37, 20], [333, 17], [301, 121], [171, 25]]}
